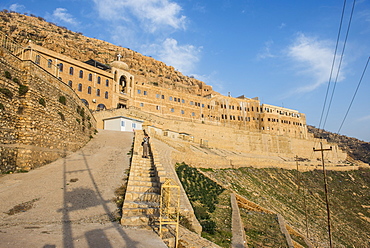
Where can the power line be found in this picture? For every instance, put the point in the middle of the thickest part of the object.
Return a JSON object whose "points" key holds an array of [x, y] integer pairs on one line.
{"points": [[340, 63], [333, 63], [354, 95]]}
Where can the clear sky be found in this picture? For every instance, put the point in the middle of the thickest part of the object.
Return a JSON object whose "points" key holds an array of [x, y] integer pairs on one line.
{"points": [[278, 50]]}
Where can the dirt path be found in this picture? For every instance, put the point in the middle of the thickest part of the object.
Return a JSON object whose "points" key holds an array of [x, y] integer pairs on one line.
{"points": [[68, 203]]}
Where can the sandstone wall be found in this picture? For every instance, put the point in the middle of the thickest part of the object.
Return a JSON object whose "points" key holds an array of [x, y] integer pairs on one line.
{"points": [[37, 127], [215, 146]]}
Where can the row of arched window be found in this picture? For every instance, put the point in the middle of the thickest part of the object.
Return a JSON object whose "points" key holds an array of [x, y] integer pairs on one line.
{"points": [[89, 90]]}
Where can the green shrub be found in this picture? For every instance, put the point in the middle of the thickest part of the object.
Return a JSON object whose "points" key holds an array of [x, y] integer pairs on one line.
{"points": [[23, 89], [61, 116], [208, 226], [63, 100], [42, 102], [6, 92], [8, 75], [16, 80]]}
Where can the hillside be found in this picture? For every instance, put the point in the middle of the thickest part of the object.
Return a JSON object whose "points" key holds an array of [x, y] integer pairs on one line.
{"points": [[282, 191], [356, 149], [24, 28]]}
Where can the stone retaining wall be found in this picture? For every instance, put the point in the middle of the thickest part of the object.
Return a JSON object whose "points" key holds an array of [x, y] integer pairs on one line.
{"points": [[43, 124]]}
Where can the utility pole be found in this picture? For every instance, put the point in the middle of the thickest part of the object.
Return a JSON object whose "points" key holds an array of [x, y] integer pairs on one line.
{"points": [[326, 187], [298, 179]]}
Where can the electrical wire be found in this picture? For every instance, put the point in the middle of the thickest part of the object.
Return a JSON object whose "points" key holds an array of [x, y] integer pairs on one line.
{"points": [[333, 63], [354, 95], [340, 63]]}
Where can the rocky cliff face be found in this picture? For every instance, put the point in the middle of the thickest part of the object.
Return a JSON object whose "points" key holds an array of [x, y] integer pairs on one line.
{"points": [[357, 149], [23, 28]]}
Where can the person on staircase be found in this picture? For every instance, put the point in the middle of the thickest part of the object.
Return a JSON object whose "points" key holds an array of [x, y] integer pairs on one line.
{"points": [[145, 145]]}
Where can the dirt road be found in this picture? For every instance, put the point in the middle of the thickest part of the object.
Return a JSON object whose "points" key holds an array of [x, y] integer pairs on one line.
{"points": [[68, 203]]}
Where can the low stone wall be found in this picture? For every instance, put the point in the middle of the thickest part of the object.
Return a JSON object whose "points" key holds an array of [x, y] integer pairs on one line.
{"points": [[42, 123]]}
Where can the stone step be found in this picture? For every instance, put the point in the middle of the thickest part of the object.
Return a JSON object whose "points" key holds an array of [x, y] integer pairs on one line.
{"points": [[145, 197], [143, 183], [138, 211], [139, 220], [141, 169], [144, 178], [140, 204], [146, 189], [143, 174]]}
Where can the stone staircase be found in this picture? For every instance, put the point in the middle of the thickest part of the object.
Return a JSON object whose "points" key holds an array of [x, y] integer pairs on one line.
{"points": [[142, 199]]}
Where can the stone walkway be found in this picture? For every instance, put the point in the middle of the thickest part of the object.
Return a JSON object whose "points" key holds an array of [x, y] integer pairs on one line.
{"points": [[68, 203]]}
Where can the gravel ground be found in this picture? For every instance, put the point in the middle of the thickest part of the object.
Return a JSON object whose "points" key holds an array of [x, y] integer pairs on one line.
{"points": [[68, 203]]}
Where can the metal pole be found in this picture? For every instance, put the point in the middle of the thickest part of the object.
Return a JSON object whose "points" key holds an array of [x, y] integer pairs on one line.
{"points": [[326, 189]]}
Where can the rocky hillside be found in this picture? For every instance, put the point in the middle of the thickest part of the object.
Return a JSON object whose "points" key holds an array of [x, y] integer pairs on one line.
{"points": [[357, 149], [300, 199], [24, 28]]}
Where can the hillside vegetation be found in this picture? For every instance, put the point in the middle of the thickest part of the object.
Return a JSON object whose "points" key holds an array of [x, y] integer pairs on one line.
{"points": [[295, 195]]}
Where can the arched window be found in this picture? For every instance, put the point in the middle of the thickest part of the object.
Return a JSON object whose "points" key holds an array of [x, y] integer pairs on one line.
{"points": [[50, 62], [37, 60], [85, 102], [99, 79], [100, 106], [79, 87], [107, 82], [71, 70], [81, 74], [97, 92], [89, 90], [90, 77], [106, 95], [70, 83], [60, 67]]}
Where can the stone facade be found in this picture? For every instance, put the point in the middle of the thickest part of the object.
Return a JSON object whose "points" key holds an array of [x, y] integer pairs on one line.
{"points": [[42, 118], [119, 87]]}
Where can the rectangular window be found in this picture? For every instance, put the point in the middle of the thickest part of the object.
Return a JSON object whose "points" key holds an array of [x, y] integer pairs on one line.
{"points": [[191, 103], [182, 112], [175, 99], [183, 101], [139, 91], [162, 96], [172, 110], [145, 93], [157, 95], [192, 114], [122, 123], [157, 107], [133, 125], [170, 98], [141, 104], [202, 105]]}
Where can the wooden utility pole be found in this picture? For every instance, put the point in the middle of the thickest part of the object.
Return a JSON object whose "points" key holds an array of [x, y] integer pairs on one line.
{"points": [[326, 187], [298, 180]]}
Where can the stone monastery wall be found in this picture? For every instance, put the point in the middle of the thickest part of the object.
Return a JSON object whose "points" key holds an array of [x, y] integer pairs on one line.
{"points": [[41, 118], [224, 146], [119, 87]]}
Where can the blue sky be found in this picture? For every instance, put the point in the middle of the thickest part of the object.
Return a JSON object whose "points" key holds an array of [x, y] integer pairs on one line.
{"points": [[280, 51]]}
